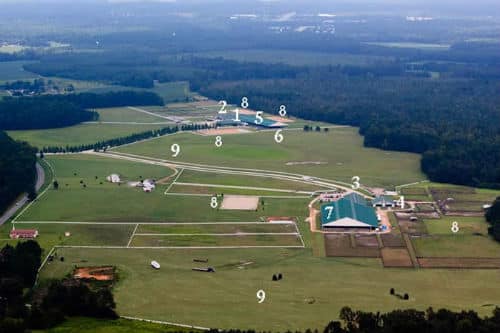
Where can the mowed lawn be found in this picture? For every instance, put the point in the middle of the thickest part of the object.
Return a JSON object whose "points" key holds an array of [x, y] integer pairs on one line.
{"points": [[79, 134], [101, 201], [341, 149], [311, 294], [196, 177], [471, 241]]}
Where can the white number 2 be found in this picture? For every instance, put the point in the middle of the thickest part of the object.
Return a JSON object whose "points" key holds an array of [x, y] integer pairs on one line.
{"points": [[223, 107]]}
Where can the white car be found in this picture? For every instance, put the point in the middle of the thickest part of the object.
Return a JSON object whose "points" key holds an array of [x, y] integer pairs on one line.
{"points": [[155, 264]]}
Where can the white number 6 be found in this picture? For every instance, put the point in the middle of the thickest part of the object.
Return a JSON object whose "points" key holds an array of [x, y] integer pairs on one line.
{"points": [[278, 137]]}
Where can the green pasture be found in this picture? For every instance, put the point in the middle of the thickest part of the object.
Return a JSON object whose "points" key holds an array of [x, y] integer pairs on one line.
{"points": [[198, 177], [85, 195], [124, 114], [311, 294], [206, 190], [471, 240], [341, 148], [297, 58], [78, 134]]}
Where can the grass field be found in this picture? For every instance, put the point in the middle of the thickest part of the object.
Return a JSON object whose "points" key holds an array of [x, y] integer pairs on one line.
{"points": [[341, 148], [472, 239], [79, 134], [124, 114], [106, 202], [13, 70], [189, 176], [169, 91], [227, 298], [297, 58]]}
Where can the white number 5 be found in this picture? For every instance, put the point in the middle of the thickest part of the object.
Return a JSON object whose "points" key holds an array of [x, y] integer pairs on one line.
{"points": [[258, 118]]}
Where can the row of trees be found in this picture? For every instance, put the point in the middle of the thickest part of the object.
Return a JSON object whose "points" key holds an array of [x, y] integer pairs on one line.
{"points": [[17, 170], [52, 111], [49, 304]]}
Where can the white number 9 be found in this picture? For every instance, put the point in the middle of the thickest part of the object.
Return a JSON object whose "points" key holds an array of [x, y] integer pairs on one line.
{"points": [[176, 149], [261, 296]]}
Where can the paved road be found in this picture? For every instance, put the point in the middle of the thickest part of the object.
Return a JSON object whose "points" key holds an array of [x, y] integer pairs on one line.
{"points": [[40, 179]]}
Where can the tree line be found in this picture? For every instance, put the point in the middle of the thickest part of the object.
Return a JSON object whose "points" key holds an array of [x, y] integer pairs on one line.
{"points": [[52, 111], [50, 303], [17, 170], [493, 217]]}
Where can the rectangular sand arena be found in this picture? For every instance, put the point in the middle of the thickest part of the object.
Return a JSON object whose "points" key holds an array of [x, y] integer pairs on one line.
{"points": [[240, 202]]}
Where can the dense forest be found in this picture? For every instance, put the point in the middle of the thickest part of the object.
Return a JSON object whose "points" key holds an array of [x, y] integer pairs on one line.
{"points": [[493, 217], [52, 111], [17, 170], [50, 303]]}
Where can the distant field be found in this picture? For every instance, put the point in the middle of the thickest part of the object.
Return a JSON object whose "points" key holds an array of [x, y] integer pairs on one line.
{"points": [[78, 134], [124, 114], [422, 46], [317, 288], [340, 148], [297, 58], [13, 70], [170, 91]]}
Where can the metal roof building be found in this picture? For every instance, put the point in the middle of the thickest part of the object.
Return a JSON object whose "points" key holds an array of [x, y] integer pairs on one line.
{"points": [[348, 212]]}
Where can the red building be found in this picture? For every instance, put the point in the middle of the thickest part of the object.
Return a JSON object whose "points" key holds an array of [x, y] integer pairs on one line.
{"points": [[23, 233]]}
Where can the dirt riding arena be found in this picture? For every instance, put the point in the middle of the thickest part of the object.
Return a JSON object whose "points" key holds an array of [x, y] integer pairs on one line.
{"points": [[239, 202], [345, 245], [101, 273], [396, 257], [392, 240], [223, 131], [460, 263]]}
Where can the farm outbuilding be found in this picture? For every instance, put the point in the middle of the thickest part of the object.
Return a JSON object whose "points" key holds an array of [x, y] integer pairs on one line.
{"points": [[383, 201], [23, 233]]}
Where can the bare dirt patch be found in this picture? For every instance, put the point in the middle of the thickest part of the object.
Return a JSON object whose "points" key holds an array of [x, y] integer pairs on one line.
{"points": [[366, 240], [100, 273], [396, 257], [239, 202], [392, 240], [465, 263], [340, 245]]}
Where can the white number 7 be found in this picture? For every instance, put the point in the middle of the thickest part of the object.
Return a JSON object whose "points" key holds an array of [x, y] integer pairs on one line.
{"points": [[330, 211]]}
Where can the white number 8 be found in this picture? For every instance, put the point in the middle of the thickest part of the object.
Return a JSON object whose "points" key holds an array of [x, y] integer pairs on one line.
{"points": [[213, 202], [244, 102]]}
